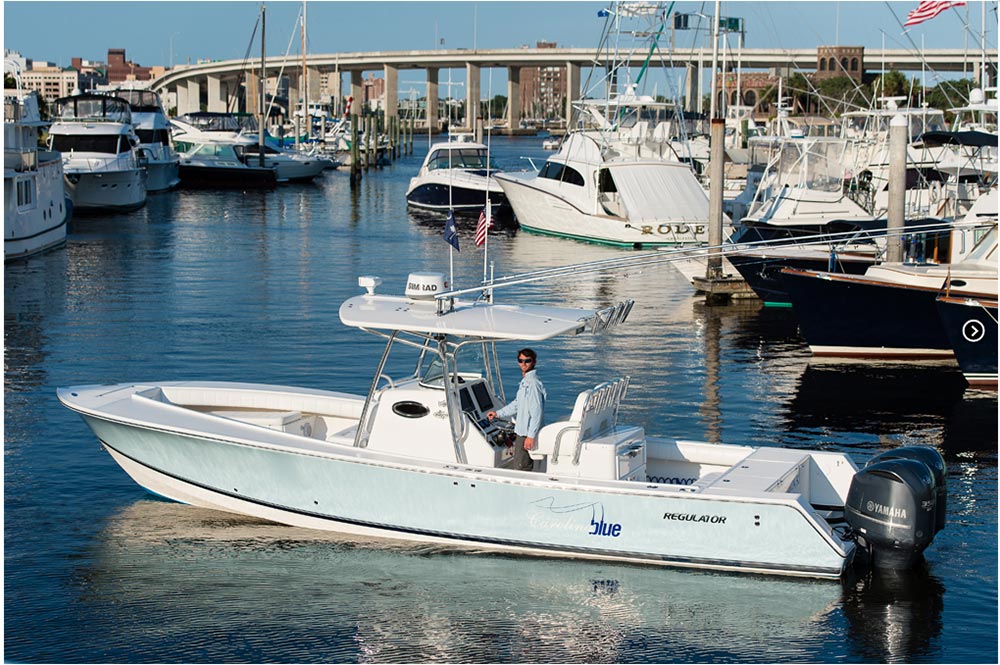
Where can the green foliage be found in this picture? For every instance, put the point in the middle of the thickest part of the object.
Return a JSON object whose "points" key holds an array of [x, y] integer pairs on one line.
{"points": [[949, 94]]}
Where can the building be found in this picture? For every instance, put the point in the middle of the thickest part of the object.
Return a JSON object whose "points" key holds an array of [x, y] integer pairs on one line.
{"points": [[831, 62], [93, 74], [120, 69], [373, 92], [50, 81], [543, 89]]}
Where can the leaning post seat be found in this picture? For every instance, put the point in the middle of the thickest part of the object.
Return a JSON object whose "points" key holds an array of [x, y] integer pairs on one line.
{"points": [[590, 444]]}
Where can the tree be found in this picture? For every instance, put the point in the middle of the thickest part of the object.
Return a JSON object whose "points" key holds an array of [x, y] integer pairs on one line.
{"points": [[949, 94], [799, 89], [840, 94], [891, 84]]}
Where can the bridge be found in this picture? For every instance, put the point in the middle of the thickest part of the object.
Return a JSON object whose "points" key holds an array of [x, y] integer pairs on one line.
{"points": [[211, 84]]}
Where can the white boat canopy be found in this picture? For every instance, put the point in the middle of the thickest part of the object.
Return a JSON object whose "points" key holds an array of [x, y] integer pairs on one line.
{"points": [[476, 319], [658, 192]]}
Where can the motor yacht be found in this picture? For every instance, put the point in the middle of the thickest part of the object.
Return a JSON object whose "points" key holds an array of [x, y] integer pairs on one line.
{"points": [[418, 459], [207, 138], [101, 161], [156, 148], [36, 209], [208, 159], [456, 175]]}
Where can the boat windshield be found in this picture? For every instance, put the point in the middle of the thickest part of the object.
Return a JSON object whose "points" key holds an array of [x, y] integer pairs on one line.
{"points": [[221, 150], [92, 108], [460, 158], [212, 122], [140, 101], [471, 362], [107, 144], [814, 164]]}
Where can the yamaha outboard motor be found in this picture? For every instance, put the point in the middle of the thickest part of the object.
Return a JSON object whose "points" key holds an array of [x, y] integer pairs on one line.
{"points": [[893, 505], [935, 463]]}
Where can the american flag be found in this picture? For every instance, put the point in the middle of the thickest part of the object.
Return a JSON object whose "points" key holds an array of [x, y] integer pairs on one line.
{"points": [[485, 224], [927, 10]]}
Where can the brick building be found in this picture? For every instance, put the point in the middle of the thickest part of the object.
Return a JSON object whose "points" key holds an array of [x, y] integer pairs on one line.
{"points": [[120, 70], [543, 89]]}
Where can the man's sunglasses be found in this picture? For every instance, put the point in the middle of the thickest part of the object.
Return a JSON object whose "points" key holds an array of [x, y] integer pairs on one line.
{"points": [[522, 361]]}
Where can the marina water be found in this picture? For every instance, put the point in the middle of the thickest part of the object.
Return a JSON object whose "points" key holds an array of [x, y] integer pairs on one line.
{"points": [[246, 286]]}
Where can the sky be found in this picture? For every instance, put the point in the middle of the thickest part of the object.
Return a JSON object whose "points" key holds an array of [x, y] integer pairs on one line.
{"points": [[161, 33]]}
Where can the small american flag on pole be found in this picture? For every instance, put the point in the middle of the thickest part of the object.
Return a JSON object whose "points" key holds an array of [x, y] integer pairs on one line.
{"points": [[485, 224], [927, 10]]}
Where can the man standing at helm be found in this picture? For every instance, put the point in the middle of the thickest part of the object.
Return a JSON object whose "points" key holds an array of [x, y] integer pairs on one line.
{"points": [[528, 409]]}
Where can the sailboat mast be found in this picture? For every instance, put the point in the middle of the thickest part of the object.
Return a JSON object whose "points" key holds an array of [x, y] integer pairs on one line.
{"points": [[263, 90], [305, 77]]}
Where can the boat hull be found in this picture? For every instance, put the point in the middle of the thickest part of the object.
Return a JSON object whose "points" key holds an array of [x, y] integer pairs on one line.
{"points": [[223, 177], [119, 191], [42, 226], [303, 482], [762, 272], [441, 197], [971, 326], [856, 317], [540, 211], [162, 176]]}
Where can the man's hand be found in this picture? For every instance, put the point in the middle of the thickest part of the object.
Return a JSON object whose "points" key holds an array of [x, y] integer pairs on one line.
{"points": [[529, 443], [491, 416]]}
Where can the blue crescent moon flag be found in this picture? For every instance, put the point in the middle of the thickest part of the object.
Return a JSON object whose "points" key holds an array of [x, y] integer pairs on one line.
{"points": [[451, 231]]}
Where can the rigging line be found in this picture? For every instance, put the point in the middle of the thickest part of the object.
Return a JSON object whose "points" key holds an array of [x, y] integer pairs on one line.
{"points": [[917, 49], [281, 71], [669, 256], [653, 45], [243, 67]]}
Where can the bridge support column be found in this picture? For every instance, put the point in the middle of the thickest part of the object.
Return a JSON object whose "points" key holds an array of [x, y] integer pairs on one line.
{"points": [[252, 97], [471, 95], [193, 104], [358, 92], [692, 90], [513, 97], [216, 99], [572, 89], [391, 92], [294, 102], [181, 93], [433, 126]]}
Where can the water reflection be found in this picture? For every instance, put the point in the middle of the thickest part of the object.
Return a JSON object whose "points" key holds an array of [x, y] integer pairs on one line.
{"points": [[896, 399], [894, 616], [195, 572], [294, 594]]}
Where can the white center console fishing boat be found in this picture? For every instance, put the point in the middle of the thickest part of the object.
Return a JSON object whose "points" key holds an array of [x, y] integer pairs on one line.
{"points": [[417, 459]]}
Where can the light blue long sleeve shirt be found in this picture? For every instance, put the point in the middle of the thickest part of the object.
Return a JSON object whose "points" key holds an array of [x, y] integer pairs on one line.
{"points": [[528, 407]]}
